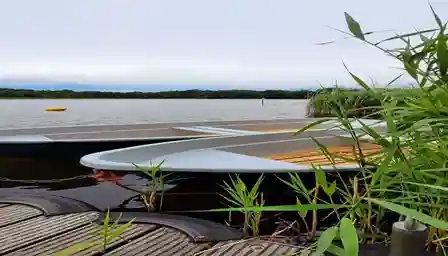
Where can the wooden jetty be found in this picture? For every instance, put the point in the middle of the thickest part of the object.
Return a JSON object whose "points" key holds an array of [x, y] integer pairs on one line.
{"points": [[27, 230]]}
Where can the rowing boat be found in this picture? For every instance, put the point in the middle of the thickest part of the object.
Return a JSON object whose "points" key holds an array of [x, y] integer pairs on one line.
{"points": [[271, 152]]}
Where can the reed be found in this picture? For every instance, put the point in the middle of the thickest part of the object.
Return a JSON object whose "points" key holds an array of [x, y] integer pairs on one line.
{"points": [[240, 195], [409, 177], [357, 103], [154, 188]]}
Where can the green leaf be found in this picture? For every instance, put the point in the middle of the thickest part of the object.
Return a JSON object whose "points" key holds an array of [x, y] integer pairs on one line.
{"points": [[309, 126], [394, 80], [354, 27], [420, 33], [408, 63], [423, 218], [349, 237], [118, 231], [115, 224], [302, 213], [364, 85], [325, 241], [429, 186], [290, 208], [142, 169], [336, 250], [436, 17], [442, 54], [331, 189], [322, 181], [76, 248], [320, 177], [106, 222]]}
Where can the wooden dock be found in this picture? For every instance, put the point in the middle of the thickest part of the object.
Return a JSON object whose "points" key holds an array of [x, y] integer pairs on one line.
{"points": [[26, 230]]}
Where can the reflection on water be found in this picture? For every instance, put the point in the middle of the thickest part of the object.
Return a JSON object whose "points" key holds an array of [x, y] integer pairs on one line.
{"points": [[79, 184], [199, 191]]}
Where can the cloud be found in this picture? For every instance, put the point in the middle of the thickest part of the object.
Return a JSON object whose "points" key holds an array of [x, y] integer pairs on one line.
{"points": [[235, 43]]}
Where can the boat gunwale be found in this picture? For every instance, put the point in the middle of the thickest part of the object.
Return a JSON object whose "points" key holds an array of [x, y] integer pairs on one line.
{"points": [[126, 167]]}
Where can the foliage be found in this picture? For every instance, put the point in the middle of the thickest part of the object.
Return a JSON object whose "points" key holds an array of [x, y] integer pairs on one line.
{"points": [[241, 196], [414, 151], [357, 103], [153, 192], [186, 94], [409, 177], [346, 232], [310, 195], [156, 184]]}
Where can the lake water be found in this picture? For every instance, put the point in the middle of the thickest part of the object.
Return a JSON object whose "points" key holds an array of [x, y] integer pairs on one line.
{"points": [[21, 113]]}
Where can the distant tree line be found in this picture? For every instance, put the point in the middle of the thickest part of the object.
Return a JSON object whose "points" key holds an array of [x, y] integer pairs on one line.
{"points": [[186, 94]]}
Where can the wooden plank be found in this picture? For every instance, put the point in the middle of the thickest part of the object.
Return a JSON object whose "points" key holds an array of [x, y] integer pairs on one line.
{"points": [[15, 213], [84, 234], [317, 152], [25, 233], [315, 156], [160, 242], [253, 247]]}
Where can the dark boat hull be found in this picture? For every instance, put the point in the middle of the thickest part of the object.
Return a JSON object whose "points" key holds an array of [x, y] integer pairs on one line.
{"points": [[71, 149]]}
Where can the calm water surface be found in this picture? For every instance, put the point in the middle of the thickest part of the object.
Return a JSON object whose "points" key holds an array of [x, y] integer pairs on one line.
{"points": [[30, 113]]}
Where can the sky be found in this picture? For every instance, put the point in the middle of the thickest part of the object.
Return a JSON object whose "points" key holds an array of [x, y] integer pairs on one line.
{"points": [[235, 43]]}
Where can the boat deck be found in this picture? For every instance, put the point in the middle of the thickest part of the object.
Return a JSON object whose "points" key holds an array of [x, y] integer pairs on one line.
{"points": [[339, 155], [26, 230]]}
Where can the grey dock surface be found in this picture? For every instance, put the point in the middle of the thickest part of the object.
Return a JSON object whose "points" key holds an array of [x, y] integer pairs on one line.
{"points": [[25, 230]]}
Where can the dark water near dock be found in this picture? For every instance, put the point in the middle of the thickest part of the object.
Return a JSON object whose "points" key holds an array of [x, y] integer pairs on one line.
{"points": [[199, 191]]}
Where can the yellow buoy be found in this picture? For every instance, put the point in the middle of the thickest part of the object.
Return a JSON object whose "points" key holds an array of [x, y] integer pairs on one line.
{"points": [[55, 109]]}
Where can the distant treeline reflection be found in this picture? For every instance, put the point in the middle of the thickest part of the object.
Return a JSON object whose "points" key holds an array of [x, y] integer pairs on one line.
{"points": [[186, 94]]}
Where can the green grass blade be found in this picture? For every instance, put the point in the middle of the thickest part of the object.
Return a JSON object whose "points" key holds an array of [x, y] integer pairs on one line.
{"points": [[436, 17], [119, 230], [423, 218], [290, 208], [309, 126], [429, 186], [76, 248]]}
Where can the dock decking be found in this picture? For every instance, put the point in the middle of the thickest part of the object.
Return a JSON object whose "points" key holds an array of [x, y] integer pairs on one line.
{"points": [[25, 230]]}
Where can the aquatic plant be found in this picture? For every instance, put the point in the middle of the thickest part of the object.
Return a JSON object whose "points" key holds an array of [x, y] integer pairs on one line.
{"points": [[357, 103], [310, 195], [108, 232], [408, 176], [410, 172], [150, 193], [240, 196], [156, 184]]}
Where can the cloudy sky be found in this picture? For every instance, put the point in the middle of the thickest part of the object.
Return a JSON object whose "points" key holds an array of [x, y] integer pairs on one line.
{"points": [[237, 43]]}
